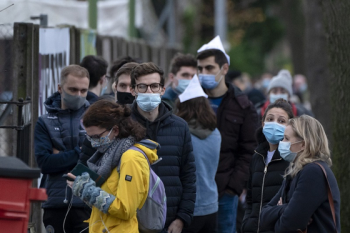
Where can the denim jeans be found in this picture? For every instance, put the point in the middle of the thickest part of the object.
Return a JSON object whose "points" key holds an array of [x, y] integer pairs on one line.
{"points": [[227, 213]]}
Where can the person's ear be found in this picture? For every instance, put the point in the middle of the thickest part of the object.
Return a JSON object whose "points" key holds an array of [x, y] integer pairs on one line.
{"points": [[116, 131], [133, 92], [59, 88], [171, 77], [303, 145], [102, 80], [163, 91], [262, 123], [225, 68]]}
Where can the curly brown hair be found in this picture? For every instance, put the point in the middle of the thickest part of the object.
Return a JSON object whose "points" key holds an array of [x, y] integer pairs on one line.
{"points": [[107, 114]]}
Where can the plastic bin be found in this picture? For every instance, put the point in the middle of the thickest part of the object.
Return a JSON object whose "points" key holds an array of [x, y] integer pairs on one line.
{"points": [[16, 194]]}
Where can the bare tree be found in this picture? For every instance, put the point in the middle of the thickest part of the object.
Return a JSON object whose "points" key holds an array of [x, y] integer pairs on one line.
{"points": [[336, 20]]}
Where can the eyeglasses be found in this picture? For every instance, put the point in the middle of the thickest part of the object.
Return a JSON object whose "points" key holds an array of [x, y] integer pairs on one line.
{"points": [[97, 136], [142, 88]]}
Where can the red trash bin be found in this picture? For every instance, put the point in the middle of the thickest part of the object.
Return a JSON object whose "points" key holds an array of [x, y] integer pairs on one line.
{"points": [[16, 194]]}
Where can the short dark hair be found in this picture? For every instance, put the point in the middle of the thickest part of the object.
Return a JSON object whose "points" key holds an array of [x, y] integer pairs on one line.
{"points": [[97, 67], [180, 60], [233, 75], [117, 64], [199, 109], [282, 104], [74, 70], [220, 57], [125, 69], [144, 69], [107, 114]]}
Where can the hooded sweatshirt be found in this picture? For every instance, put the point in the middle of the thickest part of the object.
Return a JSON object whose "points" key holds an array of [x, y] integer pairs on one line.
{"points": [[177, 168], [206, 149]]}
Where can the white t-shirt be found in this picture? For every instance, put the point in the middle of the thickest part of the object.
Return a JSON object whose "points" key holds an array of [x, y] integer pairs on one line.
{"points": [[269, 156]]}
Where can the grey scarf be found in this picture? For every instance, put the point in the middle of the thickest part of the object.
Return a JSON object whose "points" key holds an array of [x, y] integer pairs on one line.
{"points": [[103, 164]]}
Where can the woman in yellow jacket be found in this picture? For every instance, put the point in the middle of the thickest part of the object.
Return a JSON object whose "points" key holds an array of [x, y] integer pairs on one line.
{"points": [[111, 130]]}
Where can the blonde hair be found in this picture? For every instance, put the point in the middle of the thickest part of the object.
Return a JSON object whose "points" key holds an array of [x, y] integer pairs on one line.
{"points": [[312, 133]]}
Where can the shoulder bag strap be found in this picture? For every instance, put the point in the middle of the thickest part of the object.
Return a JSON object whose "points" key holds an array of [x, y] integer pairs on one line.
{"points": [[330, 197]]}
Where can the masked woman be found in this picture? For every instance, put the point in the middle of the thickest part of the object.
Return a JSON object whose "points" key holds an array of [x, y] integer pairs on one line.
{"points": [[309, 199], [193, 106], [267, 166], [111, 130]]}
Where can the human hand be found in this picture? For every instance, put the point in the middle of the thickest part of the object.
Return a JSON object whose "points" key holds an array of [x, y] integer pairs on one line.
{"points": [[70, 183], [280, 201], [55, 151], [176, 226]]}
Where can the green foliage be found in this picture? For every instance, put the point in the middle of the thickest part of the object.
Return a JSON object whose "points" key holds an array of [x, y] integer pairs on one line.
{"points": [[258, 40]]}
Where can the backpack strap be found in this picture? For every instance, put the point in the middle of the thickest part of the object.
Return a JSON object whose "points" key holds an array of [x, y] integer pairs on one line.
{"points": [[137, 149], [330, 196]]}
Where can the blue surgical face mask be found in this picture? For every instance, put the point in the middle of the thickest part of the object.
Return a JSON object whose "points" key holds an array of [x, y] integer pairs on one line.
{"points": [[101, 143], [103, 91], [274, 97], [273, 132], [148, 101], [182, 85], [285, 153], [208, 81]]}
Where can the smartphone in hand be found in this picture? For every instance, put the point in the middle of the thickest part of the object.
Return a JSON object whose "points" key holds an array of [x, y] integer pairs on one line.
{"points": [[67, 177]]}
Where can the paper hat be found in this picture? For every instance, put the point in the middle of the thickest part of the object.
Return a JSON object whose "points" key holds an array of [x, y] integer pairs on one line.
{"points": [[215, 44], [193, 90]]}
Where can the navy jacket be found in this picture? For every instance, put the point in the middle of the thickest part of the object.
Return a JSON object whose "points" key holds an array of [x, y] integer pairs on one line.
{"points": [[304, 197], [177, 169], [62, 130]]}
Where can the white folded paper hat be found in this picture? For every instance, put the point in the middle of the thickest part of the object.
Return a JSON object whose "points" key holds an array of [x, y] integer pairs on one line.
{"points": [[215, 44], [193, 90]]}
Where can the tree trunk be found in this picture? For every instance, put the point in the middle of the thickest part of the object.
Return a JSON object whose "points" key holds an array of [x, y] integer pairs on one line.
{"points": [[316, 64], [336, 19], [292, 15]]}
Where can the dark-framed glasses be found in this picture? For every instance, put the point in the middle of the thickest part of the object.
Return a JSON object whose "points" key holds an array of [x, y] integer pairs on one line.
{"points": [[97, 136], [142, 88]]}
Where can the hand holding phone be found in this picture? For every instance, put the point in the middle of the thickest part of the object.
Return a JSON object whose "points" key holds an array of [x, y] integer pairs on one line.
{"points": [[67, 177]]}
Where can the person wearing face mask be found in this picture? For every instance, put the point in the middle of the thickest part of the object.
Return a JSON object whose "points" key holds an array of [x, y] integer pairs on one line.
{"points": [[97, 68], [58, 137], [237, 121], [309, 198], [115, 135], [267, 166], [280, 86], [177, 169], [123, 84], [182, 69]]}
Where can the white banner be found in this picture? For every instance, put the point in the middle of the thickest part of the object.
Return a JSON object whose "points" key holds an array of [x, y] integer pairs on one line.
{"points": [[53, 57]]}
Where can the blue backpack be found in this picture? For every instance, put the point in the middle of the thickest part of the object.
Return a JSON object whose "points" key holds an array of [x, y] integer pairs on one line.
{"points": [[152, 215]]}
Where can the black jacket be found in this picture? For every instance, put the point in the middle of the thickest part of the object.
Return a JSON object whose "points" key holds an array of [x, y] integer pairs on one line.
{"points": [[237, 122], [59, 129], [177, 169], [304, 197], [264, 182]]}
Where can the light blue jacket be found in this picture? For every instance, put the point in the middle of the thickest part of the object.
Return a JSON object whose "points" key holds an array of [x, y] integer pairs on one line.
{"points": [[206, 150]]}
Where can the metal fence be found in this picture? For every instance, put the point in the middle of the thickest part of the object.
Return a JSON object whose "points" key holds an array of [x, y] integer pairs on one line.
{"points": [[7, 135]]}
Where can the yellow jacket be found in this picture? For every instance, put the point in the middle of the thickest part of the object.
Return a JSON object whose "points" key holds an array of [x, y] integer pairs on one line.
{"points": [[129, 195]]}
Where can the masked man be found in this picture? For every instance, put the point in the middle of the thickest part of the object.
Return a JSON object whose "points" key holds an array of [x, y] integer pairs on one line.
{"points": [[57, 139]]}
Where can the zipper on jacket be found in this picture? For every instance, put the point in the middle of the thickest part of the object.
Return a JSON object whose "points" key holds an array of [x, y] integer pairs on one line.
{"points": [[71, 129], [262, 187]]}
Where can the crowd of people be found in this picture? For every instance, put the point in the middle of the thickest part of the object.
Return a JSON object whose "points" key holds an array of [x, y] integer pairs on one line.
{"points": [[203, 151]]}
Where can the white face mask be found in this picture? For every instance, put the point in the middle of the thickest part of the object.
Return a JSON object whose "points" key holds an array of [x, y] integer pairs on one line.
{"points": [[274, 97]]}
